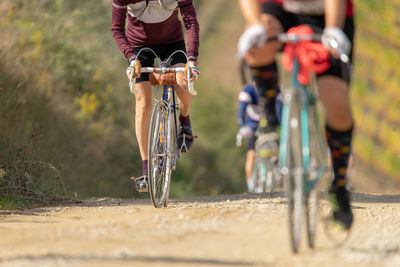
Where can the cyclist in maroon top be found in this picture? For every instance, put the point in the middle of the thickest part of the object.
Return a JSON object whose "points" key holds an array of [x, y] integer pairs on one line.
{"points": [[155, 24], [267, 18]]}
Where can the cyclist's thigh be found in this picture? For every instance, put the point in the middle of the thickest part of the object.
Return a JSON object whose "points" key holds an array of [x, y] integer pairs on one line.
{"points": [[251, 143], [143, 97], [317, 23], [167, 50], [146, 59], [334, 95], [276, 14], [275, 20], [334, 87]]}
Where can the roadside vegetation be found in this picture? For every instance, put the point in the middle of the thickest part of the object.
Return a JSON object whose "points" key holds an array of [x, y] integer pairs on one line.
{"points": [[66, 114]]}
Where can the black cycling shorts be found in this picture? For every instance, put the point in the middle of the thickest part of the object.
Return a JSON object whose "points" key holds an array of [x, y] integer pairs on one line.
{"points": [[251, 143], [317, 23], [147, 57]]}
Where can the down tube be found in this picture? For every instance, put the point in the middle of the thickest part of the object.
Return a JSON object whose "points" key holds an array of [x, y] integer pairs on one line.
{"points": [[283, 146], [305, 137]]}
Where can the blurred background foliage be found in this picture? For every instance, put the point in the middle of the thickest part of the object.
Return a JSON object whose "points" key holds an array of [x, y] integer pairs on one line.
{"points": [[65, 106]]}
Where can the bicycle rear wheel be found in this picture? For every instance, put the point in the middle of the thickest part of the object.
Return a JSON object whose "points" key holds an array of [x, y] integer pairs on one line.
{"points": [[270, 181], [157, 155], [311, 203], [293, 169]]}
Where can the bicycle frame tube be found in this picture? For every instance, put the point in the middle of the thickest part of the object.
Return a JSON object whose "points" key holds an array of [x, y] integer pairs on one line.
{"points": [[168, 95], [174, 107], [304, 124]]}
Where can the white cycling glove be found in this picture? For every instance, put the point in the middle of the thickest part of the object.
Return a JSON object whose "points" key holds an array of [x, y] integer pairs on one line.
{"points": [[334, 37], [255, 35], [193, 68]]}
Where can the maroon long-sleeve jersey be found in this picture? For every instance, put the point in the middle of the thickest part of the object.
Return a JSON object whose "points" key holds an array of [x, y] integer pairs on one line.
{"points": [[154, 25]]}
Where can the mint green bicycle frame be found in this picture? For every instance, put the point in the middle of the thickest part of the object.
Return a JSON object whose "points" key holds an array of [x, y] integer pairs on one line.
{"points": [[308, 99]]}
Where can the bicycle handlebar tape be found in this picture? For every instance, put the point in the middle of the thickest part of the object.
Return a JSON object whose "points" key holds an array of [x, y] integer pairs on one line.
{"points": [[311, 56], [138, 66]]}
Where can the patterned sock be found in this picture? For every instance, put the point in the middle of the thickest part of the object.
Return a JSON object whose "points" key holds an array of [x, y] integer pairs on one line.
{"points": [[144, 167], [340, 144], [266, 80], [184, 121]]}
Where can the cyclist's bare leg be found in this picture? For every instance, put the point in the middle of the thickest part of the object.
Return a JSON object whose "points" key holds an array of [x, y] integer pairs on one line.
{"points": [[248, 168], [181, 89], [249, 165], [334, 95], [264, 71], [142, 116], [185, 137]]}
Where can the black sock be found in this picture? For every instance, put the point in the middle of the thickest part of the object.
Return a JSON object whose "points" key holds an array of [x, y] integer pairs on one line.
{"points": [[266, 80], [340, 144], [144, 167], [184, 121]]}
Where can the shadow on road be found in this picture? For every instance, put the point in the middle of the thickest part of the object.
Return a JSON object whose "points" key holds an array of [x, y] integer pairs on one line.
{"points": [[372, 198], [219, 198], [128, 258]]}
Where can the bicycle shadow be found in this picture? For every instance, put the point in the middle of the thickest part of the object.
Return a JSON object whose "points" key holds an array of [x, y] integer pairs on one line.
{"points": [[225, 198], [375, 198], [131, 259]]}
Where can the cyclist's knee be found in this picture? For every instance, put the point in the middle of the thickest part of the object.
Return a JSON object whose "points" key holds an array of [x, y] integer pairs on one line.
{"points": [[266, 54], [143, 101], [272, 24], [181, 80]]}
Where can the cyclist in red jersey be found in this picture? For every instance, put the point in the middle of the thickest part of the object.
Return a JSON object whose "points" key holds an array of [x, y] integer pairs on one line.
{"points": [[267, 18], [155, 24]]}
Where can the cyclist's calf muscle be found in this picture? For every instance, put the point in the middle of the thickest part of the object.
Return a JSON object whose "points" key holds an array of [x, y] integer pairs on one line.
{"points": [[143, 108]]}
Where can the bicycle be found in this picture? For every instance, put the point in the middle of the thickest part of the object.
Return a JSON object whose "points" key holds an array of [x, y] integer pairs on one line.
{"points": [[163, 150], [264, 172], [302, 150]]}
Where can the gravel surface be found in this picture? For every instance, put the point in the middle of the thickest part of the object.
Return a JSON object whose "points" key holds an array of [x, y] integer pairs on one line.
{"points": [[234, 230]]}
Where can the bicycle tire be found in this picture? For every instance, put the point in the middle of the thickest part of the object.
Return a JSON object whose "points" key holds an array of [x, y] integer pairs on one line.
{"points": [[157, 155], [294, 175], [317, 149], [172, 148], [269, 176], [256, 176], [311, 203]]}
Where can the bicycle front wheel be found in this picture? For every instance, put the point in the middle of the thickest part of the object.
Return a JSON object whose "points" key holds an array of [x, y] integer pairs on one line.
{"points": [[172, 154], [293, 169], [157, 155], [317, 168]]}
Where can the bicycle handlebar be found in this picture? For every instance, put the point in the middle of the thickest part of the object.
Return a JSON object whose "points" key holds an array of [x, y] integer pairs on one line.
{"points": [[294, 38], [162, 70], [132, 81]]}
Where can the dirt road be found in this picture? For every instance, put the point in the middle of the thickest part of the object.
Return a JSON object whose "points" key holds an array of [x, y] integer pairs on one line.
{"points": [[236, 230]]}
